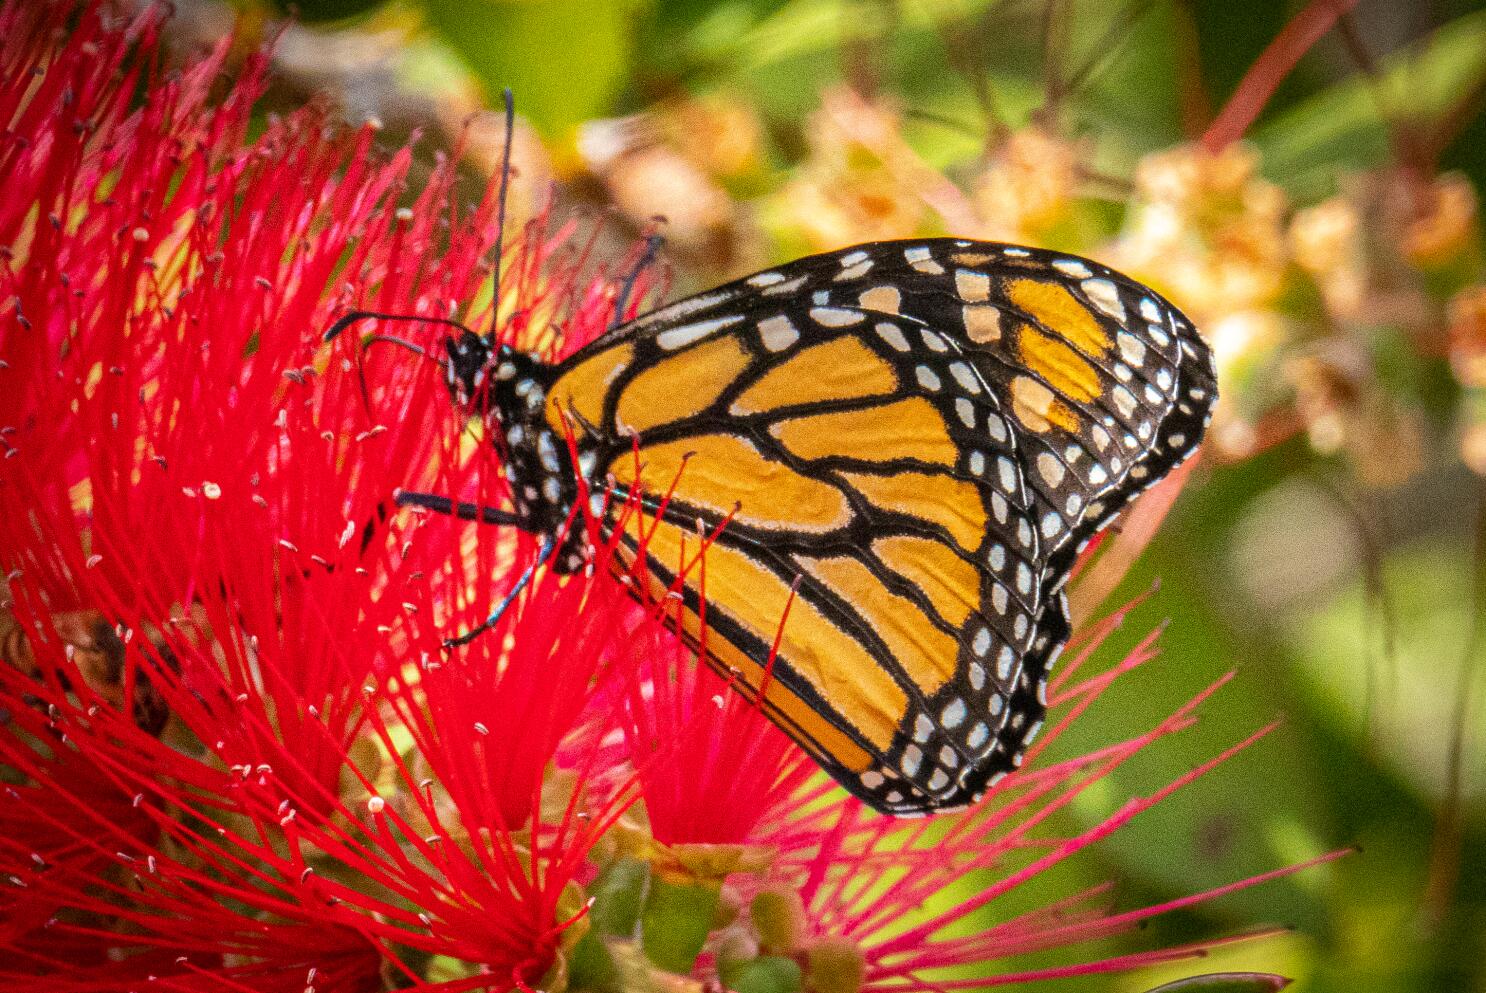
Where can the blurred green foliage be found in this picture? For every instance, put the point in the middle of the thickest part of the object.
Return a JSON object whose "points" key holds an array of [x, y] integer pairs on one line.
{"points": [[1363, 663]]}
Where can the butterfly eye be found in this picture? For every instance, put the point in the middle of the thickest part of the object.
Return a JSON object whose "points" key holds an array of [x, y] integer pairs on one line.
{"points": [[468, 369]]}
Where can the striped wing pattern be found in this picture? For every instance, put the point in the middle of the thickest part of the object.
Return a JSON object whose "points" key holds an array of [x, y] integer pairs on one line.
{"points": [[909, 443]]}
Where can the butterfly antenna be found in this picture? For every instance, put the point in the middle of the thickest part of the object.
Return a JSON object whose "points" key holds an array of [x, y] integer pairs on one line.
{"points": [[376, 315], [500, 209], [549, 543], [627, 288]]}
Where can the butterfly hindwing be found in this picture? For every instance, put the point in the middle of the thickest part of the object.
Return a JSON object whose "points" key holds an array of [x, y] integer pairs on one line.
{"points": [[908, 442]]}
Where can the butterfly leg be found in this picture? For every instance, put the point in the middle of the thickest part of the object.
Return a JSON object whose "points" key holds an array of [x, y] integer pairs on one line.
{"points": [[463, 511], [548, 544], [626, 288]]}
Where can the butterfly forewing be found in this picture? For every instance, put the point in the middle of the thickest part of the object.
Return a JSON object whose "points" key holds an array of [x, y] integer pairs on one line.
{"points": [[908, 441]]}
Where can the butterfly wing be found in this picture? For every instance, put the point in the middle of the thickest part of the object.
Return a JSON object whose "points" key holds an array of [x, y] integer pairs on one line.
{"points": [[908, 442]]}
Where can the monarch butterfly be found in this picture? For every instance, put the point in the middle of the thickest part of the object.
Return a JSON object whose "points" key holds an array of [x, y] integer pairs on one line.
{"points": [[908, 441]]}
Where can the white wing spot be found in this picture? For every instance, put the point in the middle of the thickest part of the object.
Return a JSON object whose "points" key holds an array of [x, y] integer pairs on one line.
{"points": [[893, 335], [835, 317], [1004, 663], [933, 340], [982, 642], [913, 757], [1131, 347], [683, 307], [973, 287], [1105, 297], [1050, 469], [1007, 473], [783, 289], [674, 338], [777, 333], [922, 260], [966, 411], [965, 376]]}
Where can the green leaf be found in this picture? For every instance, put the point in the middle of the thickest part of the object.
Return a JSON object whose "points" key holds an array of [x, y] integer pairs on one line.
{"points": [[676, 921], [618, 895], [766, 974], [1343, 126], [565, 60], [1227, 982], [679, 33]]}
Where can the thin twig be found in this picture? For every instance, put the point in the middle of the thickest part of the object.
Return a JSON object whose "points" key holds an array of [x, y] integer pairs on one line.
{"points": [[1276, 62], [1444, 857]]}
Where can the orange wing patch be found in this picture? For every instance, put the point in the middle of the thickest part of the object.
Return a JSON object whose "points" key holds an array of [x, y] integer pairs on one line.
{"points": [[905, 429], [1036, 407], [1060, 311], [584, 387], [840, 369], [826, 742], [1063, 368], [951, 503], [951, 584], [926, 653], [725, 471], [830, 660], [681, 385]]}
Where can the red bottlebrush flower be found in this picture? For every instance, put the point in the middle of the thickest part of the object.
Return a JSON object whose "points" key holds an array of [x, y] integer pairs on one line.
{"points": [[710, 763], [184, 462], [235, 753]]}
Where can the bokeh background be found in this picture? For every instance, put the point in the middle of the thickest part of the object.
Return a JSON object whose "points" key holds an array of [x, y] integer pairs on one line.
{"points": [[1321, 225]]}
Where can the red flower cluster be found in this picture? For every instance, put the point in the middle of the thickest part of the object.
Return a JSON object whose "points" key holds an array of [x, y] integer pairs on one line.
{"points": [[234, 753]]}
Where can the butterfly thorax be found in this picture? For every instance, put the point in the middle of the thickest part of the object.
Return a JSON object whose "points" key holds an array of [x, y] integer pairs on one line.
{"points": [[509, 389]]}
